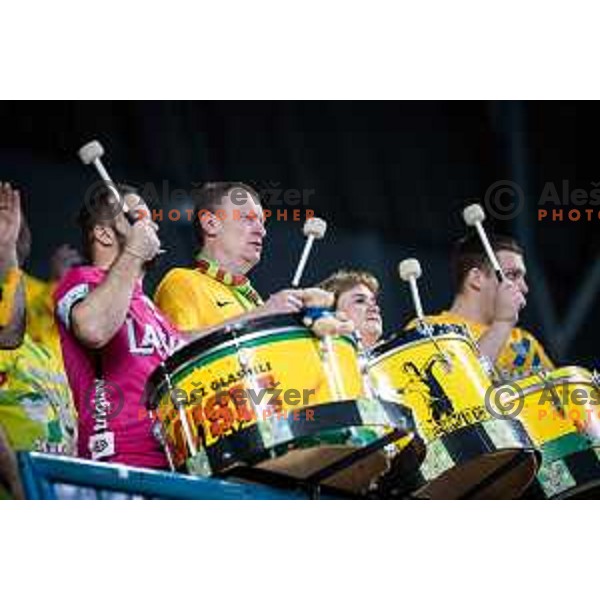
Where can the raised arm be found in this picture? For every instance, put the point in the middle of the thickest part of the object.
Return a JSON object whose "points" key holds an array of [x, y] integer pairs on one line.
{"points": [[96, 319], [12, 296], [509, 302]]}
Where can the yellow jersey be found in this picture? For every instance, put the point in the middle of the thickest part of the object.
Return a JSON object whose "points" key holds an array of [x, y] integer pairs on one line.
{"points": [[193, 300], [36, 406], [41, 324]]}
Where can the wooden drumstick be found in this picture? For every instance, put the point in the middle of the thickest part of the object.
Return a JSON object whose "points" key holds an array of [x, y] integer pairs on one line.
{"points": [[410, 270], [91, 154], [314, 229], [474, 217]]}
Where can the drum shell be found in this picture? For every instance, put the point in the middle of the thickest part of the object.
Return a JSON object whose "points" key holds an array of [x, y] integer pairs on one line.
{"points": [[561, 410], [335, 437], [470, 453], [214, 385], [466, 384]]}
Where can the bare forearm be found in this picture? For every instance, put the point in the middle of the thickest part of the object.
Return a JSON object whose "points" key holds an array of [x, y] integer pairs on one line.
{"points": [[9, 469], [11, 335], [8, 260], [100, 315], [494, 339]]}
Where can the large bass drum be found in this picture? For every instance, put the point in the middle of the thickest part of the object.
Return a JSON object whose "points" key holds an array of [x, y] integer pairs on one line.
{"points": [[269, 395]]}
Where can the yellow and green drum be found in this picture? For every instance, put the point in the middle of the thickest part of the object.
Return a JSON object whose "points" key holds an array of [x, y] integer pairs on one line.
{"points": [[267, 393]]}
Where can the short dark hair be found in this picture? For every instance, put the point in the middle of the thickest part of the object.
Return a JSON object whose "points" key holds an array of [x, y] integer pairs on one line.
{"points": [[345, 279], [99, 209], [468, 253], [208, 198]]}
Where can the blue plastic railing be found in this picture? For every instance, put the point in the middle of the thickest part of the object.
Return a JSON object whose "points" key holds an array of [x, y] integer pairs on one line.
{"points": [[48, 477]]}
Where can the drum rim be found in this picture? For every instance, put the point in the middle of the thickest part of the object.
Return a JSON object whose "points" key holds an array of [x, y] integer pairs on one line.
{"points": [[569, 374], [413, 336]]}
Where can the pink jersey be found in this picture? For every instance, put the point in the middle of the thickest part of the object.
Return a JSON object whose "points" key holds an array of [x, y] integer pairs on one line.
{"points": [[108, 384]]}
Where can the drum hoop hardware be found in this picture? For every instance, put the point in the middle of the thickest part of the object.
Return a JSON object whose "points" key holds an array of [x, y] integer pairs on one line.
{"points": [[331, 367], [248, 377], [363, 366], [158, 429], [183, 417]]}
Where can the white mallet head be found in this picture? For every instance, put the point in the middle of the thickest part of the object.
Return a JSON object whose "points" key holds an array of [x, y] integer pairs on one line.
{"points": [[473, 214], [409, 269], [315, 227], [90, 152]]}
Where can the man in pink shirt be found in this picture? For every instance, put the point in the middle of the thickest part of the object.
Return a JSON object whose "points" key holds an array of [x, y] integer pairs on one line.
{"points": [[112, 335]]}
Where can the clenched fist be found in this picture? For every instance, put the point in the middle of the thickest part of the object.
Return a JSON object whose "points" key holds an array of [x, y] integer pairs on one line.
{"points": [[142, 240], [285, 301], [509, 302]]}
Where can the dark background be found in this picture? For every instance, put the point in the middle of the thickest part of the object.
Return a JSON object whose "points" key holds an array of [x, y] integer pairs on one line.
{"points": [[390, 178]]}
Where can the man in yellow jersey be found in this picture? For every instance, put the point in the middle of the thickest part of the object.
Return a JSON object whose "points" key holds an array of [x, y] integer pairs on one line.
{"points": [[491, 309], [229, 225]]}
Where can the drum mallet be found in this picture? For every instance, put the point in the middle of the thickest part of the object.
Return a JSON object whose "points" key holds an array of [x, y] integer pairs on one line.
{"points": [[91, 154], [410, 270], [474, 217], [314, 229]]}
